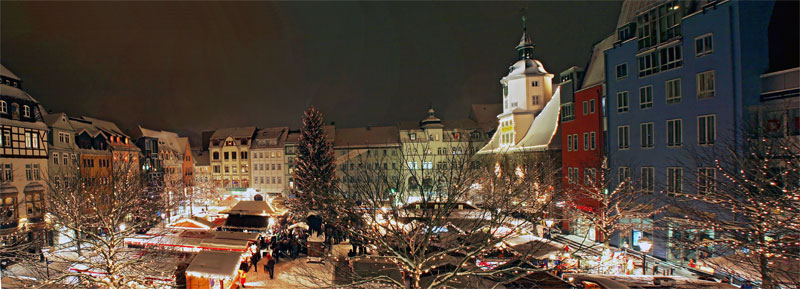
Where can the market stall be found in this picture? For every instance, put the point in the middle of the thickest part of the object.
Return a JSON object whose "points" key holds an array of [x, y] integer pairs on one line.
{"points": [[214, 270]]}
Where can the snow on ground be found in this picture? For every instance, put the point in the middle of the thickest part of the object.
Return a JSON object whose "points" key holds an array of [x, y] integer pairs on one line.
{"points": [[296, 273]]}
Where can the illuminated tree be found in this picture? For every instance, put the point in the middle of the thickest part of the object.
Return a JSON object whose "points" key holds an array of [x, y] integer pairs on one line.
{"points": [[607, 204], [98, 211], [436, 226], [314, 174], [751, 194]]}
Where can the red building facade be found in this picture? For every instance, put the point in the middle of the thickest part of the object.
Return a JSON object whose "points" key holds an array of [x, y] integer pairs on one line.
{"points": [[582, 152]]}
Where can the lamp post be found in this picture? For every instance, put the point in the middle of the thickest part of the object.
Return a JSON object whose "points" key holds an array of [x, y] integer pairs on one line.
{"points": [[549, 223], [644, 246]]}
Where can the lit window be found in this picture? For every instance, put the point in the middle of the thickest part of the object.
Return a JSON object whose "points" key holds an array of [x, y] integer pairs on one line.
{"points": [[3, 106], [705, 84], [673, 91], [706, 129], [26, 111]]}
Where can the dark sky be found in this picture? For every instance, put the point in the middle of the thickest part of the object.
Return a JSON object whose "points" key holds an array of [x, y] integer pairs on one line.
{"points": [[204, 65]]}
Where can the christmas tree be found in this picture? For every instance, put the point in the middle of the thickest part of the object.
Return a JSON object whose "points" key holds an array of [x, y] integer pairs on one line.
{"points": [[315, 172]]}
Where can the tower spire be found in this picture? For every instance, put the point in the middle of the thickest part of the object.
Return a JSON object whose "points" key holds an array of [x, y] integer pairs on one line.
{"points": [[525, 46]]}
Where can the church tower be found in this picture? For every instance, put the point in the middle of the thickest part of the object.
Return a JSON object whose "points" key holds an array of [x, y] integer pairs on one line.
{"points": [[526, 90]]}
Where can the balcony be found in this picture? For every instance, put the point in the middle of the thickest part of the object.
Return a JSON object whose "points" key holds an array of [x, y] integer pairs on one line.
{"points": [[780, 84]]}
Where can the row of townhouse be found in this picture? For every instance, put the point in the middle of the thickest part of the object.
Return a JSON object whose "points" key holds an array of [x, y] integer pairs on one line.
{"points": [[264, 159], [37, 147], [671, 83]]}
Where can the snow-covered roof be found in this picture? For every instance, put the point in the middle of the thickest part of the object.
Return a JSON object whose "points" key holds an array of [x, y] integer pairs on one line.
{"points": [[13, 92], [216, 265], [7, 73], [367, 137], [272, 137], [540, 134], [596, 70], [234, 132], [253, 208], [526, 67]]}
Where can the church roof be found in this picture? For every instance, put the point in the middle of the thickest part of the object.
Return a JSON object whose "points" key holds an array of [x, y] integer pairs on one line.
{"points": [[7, 73], [539, 136]]}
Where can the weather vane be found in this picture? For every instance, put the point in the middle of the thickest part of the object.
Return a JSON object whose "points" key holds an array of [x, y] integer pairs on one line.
{"points": [[524, 22]]}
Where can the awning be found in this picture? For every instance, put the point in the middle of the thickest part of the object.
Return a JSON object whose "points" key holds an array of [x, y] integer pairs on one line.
{"points": [[33, 188], [8, 189]]}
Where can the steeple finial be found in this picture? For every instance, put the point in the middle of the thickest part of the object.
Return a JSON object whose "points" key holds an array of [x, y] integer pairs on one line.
{"points": [[525, 46]]}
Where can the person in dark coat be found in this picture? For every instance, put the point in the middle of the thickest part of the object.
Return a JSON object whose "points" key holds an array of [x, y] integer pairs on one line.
{"points": [[270, 267], [255, 259]]}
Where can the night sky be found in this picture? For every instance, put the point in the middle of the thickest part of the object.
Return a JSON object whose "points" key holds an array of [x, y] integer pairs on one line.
{"points": [[189, 66]]}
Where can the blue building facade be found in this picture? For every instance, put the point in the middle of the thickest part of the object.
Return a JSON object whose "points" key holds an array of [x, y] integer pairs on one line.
{"points": [[678, 82]]}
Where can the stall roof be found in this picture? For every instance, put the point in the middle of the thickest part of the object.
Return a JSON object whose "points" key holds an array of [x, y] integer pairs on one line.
{"points": [[236, 235], [218, 265], [253, 208]]}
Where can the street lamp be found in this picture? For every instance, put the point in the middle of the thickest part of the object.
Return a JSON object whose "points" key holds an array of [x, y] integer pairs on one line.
{"points": [[549, 223], [644, 246]]}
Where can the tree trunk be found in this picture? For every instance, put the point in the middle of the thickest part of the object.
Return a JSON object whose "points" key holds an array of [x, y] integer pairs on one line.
{"points": [[766, 278]]}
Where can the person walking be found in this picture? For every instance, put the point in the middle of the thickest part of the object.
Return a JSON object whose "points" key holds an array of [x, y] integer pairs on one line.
{"points": [[255, 259], [243, 279], [270, 267]]}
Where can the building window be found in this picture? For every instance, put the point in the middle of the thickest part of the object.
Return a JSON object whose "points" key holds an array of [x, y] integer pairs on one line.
{"points": [[64, 159], [28, 139], [674, 133], [569, 142], [55, 158], [216, 169], [5, 140], [674, 180], [28, 172], [660, 24], [244, 155], [7, 173], [412, 136], [233, 155], [3, 106], [706, 180], [647, 138], [535, 99], [593, 140], [591, 106], [703, 45], [227, 169], [648, 179], [671, 57], [705, 84], [588, 176], [35, 140], [586, 141], [215, 155], [706, 129], [673, 91], [646, 97], [226, 155], [74, 159], [648, 64], [623, 175], [26, 111], [567, 112], [622, 101], [575, 142], [622, 70], [623, 137], [534, 83]]}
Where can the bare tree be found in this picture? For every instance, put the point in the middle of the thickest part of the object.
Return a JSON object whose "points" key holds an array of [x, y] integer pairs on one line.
{"points": [[435, 220], [96, 211], [748, 194], [605, 202]]}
